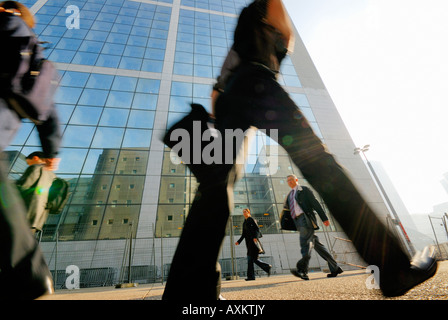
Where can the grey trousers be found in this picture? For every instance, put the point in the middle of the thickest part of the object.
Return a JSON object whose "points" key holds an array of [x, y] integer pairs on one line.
{"points": [[308, 241]]}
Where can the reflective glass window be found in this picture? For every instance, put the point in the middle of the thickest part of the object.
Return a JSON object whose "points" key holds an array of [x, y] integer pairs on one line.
{"points": [[185, 69], [72, 160], [144, 101], [180, 104], [74, 79], [62, 56], [141, 119], [93, 97], [181, 88], [64, 112], [154, 54], [69, 44], [113, 48], [85, 58], [124, 83], [131, 63], [22, 134], [109, 61], [68, 95], [148, 86], [91, 46], [132, 51], [100, 81], [96, 35], [137, 138], [108, 137], [78, 136], [114, 117], [152, 65], [117, 38], [119, 99], [86, 115]]}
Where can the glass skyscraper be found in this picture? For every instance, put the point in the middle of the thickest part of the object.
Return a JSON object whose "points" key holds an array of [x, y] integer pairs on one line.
{"points": [[129, 70]]}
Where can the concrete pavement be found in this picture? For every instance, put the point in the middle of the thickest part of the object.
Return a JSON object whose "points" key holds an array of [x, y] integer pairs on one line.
{"points": [[350, 285]]}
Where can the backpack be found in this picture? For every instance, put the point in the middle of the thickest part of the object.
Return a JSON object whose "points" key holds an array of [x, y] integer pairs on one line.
{"points": [[28, 81], [57, 196]]}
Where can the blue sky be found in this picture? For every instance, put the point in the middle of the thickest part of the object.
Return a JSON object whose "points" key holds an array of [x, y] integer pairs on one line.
{"points": [[384, 63]]}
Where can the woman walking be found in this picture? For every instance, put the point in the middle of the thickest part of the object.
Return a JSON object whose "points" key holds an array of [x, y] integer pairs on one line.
{"points": [[251, 233]]}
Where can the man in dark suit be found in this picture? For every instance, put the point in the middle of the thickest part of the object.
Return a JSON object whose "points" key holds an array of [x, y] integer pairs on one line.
{"points": [[303, 204]]}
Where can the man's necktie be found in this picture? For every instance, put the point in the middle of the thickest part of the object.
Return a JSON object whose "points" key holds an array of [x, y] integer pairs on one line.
{"points": [[291, 204]]}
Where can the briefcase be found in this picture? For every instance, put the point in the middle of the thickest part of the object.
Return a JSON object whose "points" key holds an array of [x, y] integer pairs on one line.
{"points": [[286, 221], [198, 119]]}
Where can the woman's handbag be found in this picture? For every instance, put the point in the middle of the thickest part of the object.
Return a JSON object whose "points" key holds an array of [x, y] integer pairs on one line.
{"points": [[259, 247]]}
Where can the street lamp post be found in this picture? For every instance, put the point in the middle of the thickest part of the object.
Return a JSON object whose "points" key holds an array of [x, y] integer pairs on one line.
{"points": [[363, 150]]}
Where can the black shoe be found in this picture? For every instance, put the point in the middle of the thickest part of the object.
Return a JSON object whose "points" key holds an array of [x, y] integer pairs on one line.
{"points": [[335, 274], [29, 280], [300, 274], [269, 270], [423, 266], [250, 279]]}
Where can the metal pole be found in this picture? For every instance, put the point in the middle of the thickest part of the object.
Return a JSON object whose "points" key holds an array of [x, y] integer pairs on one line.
{"points": [[437, 242], [130, 254], [444, 218], [232, 258], [56, 260], [161, 249], [389, 203]]}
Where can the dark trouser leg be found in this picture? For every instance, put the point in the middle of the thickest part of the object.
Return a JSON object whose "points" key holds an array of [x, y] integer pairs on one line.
{"points": [[23, 271], [263, 265], [325, 254], [204, 230], [194, 273], [258, 100], [306, 236], [250, 267]]}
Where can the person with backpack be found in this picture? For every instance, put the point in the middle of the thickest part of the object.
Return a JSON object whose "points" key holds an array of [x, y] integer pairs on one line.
{"points": [[26, 91], [34, 186]]}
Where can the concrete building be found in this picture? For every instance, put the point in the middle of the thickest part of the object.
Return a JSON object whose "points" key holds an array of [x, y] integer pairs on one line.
{"points": [[129, 70]]}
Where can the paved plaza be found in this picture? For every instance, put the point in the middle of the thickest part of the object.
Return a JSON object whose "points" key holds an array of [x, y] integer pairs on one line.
{"points": [[350, 285]]}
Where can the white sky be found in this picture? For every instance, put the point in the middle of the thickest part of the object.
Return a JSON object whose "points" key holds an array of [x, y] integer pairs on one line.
{"points": [[384, 63]]}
